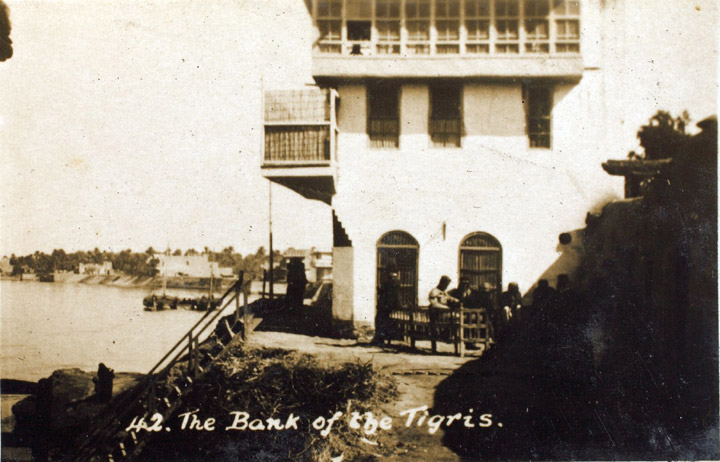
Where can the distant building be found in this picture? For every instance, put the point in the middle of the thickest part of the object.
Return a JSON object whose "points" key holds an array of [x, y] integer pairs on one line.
{"points": [[5, 266], [101, 269], [318, 262], [197, 266]]}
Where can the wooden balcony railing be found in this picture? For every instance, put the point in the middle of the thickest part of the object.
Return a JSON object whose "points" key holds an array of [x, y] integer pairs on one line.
{"points": [[297, 143], [456, 326]]}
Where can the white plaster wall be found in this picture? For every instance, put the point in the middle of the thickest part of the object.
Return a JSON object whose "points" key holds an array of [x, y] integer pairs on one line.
{"points": [[343, 284], [414, 114], [494, 183]]}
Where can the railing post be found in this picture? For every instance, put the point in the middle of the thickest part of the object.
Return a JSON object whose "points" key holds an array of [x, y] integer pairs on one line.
{"points": [[433, 333], [237, 299], [196, 358], [462, 332], [151, 396], [486, 323], [264, 279], [411, 334], [191, 357], [246, 318]]}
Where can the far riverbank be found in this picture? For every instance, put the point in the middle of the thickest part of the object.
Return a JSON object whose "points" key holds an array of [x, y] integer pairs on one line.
{"points": [[186, 283]]}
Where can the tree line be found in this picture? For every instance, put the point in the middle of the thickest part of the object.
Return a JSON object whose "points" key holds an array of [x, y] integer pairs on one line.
{"points": [[138, 263]]}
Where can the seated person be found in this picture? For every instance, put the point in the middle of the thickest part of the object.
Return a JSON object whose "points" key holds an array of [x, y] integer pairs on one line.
{"points": [[438, 296], [462, 293]]}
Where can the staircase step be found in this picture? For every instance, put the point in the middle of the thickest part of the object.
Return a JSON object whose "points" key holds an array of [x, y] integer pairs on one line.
{"points": [[254, 322]]}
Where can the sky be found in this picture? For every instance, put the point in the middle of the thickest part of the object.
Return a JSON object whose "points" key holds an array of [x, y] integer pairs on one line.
{"points": [[129, 124]]}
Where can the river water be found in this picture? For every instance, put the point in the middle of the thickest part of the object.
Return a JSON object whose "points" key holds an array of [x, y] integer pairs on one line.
{"points": [[48, 326]]}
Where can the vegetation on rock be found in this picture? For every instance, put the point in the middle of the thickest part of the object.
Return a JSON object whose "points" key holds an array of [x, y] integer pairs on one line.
{"points": [[273, 383]]}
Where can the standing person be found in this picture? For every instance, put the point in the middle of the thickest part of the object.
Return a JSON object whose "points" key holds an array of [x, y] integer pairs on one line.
{"points": [[104, 383], [296, 282], [511, 300], [388, 301], [563, 300], [438, 296], [486, 299], [542, 295]]}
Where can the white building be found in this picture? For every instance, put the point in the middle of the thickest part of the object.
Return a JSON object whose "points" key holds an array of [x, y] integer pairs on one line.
{"points": [[455, 137], [318, 262], [102, 269], [5, 266], [197, 266]]}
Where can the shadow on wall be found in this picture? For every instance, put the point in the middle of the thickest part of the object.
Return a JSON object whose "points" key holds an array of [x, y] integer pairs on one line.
{"points": [[626, 365], [572, 248], [572, 252]]}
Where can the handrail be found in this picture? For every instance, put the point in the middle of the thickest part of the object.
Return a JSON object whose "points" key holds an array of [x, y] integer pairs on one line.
{"points": [[436, 322], [105, 427], [208, 313]]}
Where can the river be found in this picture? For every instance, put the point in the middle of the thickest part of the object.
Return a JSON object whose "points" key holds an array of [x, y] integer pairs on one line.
{"points": [[49, 326]]}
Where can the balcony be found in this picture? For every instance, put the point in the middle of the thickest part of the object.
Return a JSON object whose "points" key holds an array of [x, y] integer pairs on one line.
{"points": [[300, 138], [447, 39]]}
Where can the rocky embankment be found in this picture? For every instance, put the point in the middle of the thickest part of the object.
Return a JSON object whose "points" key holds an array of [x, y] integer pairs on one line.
{"points": [[65, 406]]}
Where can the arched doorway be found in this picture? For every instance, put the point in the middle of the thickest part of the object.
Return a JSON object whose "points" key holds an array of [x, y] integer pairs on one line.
{"points": [[481, 260], [400, 249]]}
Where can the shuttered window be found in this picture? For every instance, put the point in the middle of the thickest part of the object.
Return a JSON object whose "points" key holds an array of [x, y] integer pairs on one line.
{"points": [[445, 115], [383, 116], [538, 105]]}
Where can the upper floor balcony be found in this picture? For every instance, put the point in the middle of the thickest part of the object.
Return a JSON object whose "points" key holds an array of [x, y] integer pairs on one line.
{"points": [[447, 38], [300, 138]]}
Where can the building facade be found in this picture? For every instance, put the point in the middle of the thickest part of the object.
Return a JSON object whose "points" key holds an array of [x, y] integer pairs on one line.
{"points": [[102, 269], [456, 137], [197, 266]]}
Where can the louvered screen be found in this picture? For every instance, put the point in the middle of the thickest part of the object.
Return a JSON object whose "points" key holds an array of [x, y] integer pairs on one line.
{"points": [[481, 260]]}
